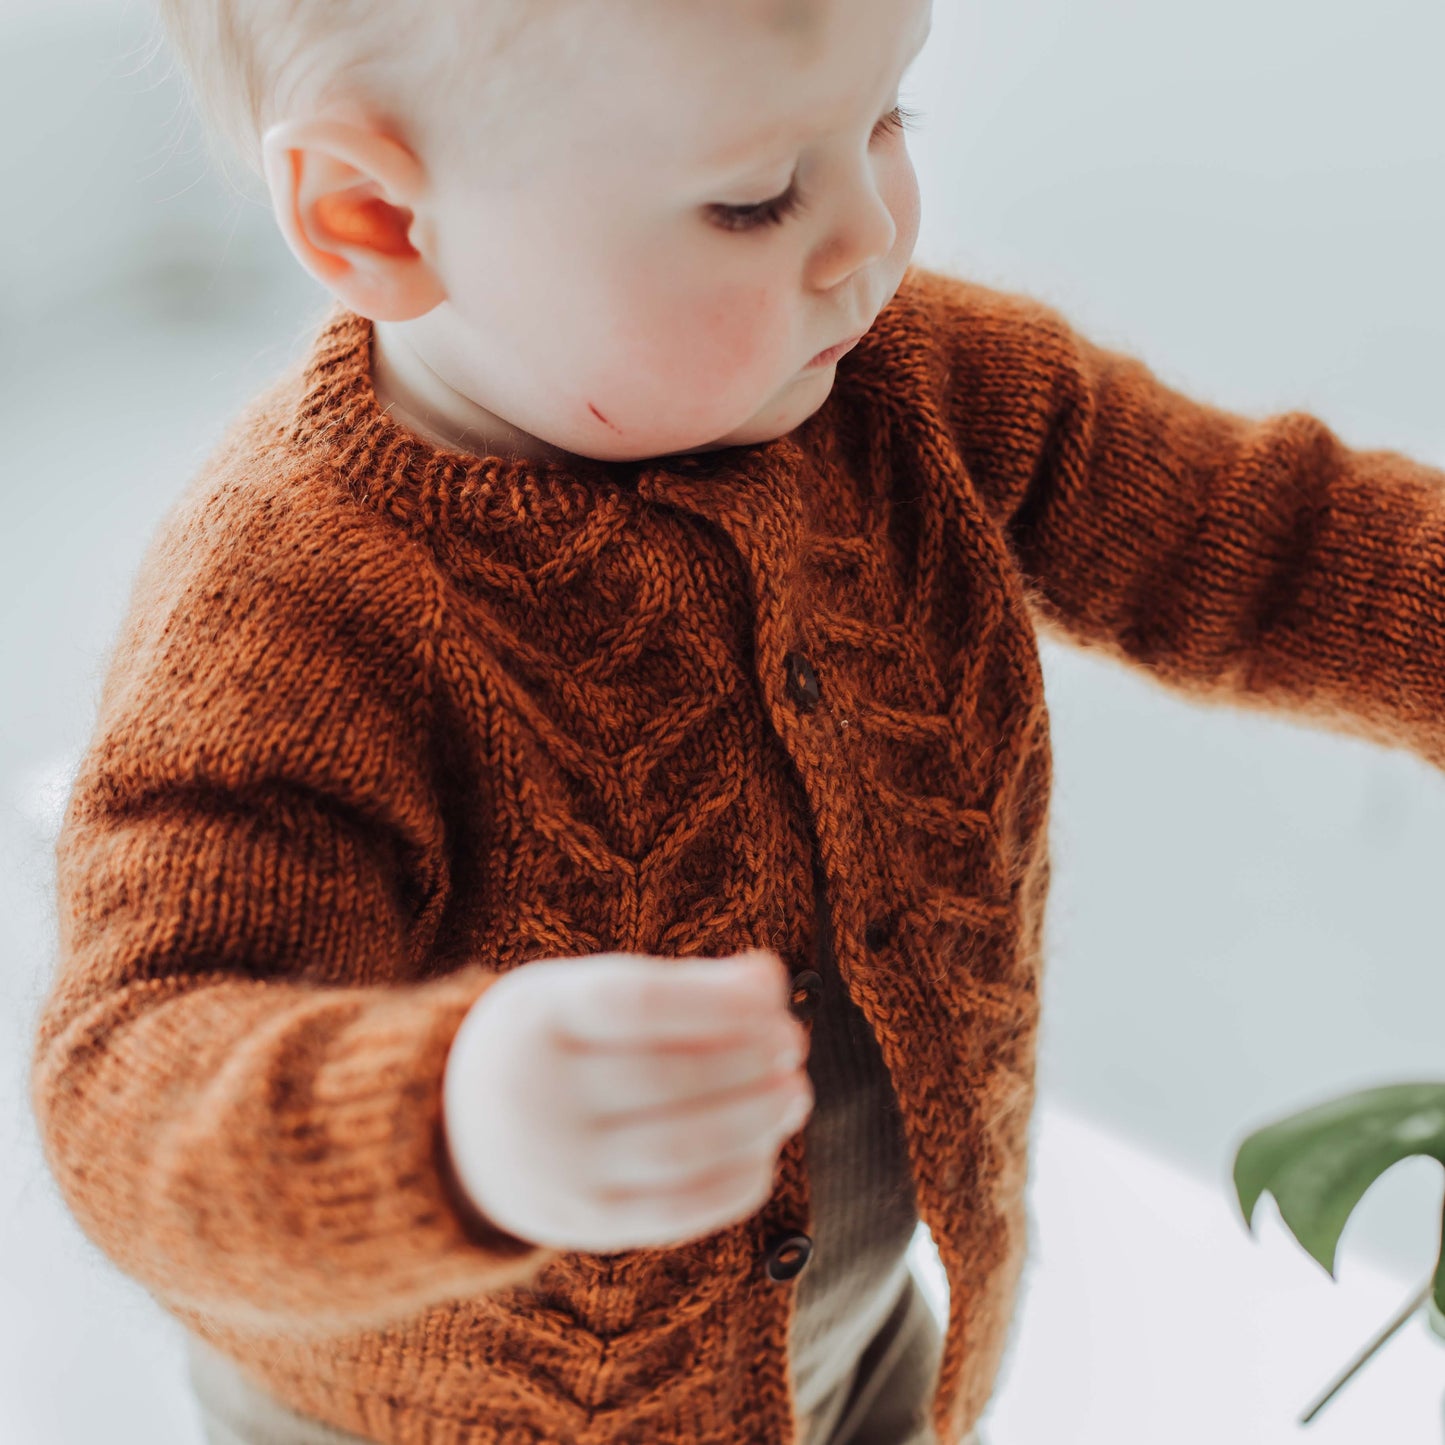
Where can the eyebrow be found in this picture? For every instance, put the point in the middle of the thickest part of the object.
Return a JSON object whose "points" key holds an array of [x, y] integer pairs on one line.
{"points": [[751, 152]]}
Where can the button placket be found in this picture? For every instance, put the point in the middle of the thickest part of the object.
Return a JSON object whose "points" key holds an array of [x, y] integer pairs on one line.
{"points": [[788, 1256], [802, 681], [805, 993], [790, 1252]]}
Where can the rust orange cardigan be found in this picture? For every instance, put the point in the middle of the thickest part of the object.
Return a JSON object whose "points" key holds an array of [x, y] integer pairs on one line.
{"points": [[384, 722]]}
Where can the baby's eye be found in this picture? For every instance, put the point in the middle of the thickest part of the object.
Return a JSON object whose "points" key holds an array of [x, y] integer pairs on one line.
{"points": [[790, 203]]}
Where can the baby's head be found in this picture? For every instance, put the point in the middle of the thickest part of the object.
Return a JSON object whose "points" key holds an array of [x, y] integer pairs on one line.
{"points": [[614, 228]]}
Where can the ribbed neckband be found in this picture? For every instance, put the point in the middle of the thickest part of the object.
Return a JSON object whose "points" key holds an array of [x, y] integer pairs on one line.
{"points": [[387, 465]]}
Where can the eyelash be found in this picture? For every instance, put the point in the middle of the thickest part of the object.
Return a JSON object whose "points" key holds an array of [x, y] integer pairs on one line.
{"points": [[790, 203]]}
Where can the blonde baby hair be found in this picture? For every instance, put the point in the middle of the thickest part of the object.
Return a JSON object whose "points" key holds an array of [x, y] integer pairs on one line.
{"points": [[247, 62]]}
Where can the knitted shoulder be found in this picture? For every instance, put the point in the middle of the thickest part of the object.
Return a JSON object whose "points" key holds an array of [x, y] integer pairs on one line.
{"points": [[997, 368], [271, 507], [265, 558], [967, 323]]}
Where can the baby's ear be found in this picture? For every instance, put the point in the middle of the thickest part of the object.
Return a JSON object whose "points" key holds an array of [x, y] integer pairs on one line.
{"points": [[345, 196]]}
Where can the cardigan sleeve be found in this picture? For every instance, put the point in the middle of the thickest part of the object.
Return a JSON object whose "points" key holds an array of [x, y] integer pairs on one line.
{"points": [[237, 1072], [1259, 562]]}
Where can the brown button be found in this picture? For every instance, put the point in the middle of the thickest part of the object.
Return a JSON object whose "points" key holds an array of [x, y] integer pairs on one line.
{"points": [[805, 994], [802, 681], [878, 933], [788, 1256]]}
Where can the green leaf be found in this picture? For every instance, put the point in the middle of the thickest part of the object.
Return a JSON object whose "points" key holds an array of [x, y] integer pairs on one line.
{"points": [[1437, 1293], [1436, 1317], [1319, 1163]]}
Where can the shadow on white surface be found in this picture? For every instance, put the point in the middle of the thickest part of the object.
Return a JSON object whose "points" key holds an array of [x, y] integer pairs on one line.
{"points": [[1151, 1314]]}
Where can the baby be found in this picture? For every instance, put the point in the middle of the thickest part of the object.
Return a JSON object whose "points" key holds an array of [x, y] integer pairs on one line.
{"points": [[585, 720], [751, 205]]}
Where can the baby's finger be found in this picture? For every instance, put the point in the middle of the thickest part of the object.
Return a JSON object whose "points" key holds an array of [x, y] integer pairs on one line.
{"points": [[611, 1085], [632, 1001]]}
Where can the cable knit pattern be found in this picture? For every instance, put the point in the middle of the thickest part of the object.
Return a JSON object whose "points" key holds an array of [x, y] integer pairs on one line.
{"points": [[384, 722]]}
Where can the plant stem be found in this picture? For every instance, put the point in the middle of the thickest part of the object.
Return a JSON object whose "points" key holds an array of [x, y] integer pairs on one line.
{"points": [[1390, 1329]]}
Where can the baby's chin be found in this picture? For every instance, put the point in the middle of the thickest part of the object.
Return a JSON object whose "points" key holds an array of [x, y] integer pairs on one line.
{"points": [[787, 409], [792, 405]]}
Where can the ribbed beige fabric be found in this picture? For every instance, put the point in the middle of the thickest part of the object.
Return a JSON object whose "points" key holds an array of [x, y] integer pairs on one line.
{"points": [[864, 1213]]}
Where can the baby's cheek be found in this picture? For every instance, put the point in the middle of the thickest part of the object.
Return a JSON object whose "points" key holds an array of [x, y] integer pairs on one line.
{"points": [[726, 348], [685, 373], [736, 327], [906, 204]]}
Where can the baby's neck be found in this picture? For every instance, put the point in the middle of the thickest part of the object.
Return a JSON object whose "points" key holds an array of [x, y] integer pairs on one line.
{"points": [[413, 395]]}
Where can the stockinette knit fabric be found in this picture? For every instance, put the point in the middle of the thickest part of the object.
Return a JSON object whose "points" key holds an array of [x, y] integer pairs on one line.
{"points": [[384, 722]]}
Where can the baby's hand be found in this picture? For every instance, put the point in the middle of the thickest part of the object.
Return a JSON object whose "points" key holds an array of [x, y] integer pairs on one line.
{"points": [[622, 1102]]}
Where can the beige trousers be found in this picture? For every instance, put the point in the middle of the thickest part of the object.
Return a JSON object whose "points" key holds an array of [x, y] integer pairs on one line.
{"points": [[884, 1401], [886, 1398]]}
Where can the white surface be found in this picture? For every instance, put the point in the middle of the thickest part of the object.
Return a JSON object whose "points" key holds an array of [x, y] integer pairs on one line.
{"points": [[1150, 1313]]}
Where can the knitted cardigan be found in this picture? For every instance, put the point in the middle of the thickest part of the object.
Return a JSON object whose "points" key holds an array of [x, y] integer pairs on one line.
{"points": [[385, 721]]}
